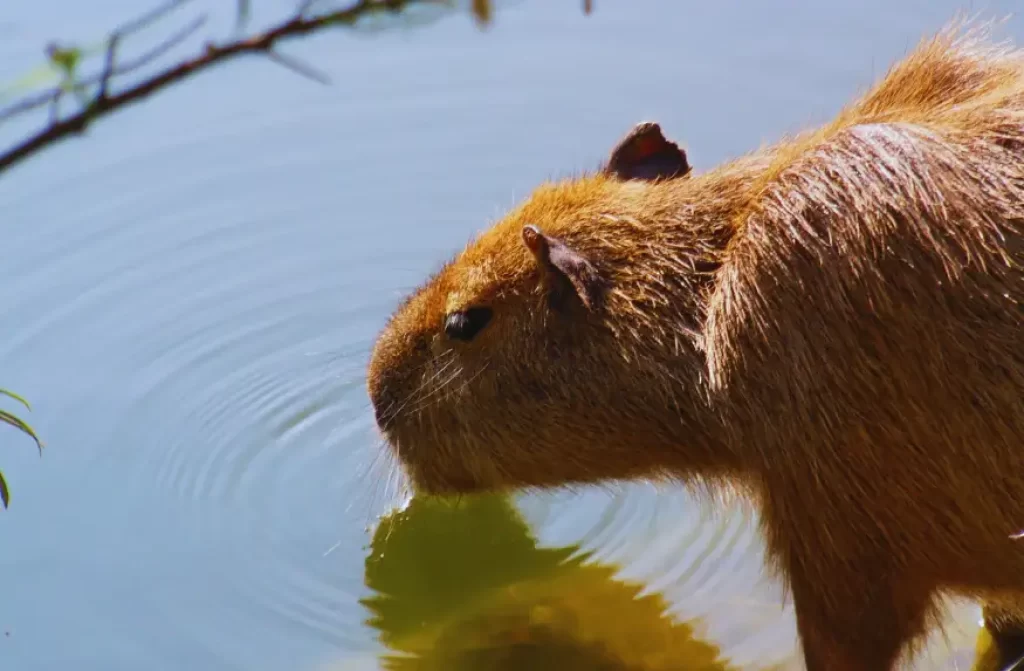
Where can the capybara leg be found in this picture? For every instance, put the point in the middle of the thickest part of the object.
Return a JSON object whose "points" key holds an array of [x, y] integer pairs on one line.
{"points": [[1004, 620], [857, 622]]}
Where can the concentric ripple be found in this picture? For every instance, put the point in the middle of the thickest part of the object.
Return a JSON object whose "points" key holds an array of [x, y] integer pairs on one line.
{"points": [[227, 344]]}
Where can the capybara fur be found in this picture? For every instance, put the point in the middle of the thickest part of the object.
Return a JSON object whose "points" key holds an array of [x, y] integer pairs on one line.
{"points": [[833, 324]]}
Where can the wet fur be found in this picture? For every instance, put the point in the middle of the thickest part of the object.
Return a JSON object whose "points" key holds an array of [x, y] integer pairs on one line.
{"points": [[832, 323]]}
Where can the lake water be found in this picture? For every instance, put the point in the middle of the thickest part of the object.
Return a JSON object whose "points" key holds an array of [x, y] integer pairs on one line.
{"points": [[191, 291]]}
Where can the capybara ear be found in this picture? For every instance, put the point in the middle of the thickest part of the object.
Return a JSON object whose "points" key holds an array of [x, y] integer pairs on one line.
{"points": [[563, 264], [645, 154]]}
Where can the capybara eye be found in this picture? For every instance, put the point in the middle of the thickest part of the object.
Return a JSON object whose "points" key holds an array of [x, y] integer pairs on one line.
{"points": [[465, 324]]}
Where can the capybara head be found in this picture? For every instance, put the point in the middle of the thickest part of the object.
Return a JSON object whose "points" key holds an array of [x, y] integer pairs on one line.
{"points": [[562, 345]]}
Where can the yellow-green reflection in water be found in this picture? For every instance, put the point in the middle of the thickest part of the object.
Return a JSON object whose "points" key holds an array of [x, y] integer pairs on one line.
{"points": [[463, 585]]}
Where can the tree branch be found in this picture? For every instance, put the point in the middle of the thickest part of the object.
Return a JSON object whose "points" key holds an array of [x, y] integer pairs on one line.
{"points": [[104, 102]]}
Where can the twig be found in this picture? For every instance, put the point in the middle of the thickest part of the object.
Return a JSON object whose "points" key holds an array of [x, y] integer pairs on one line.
{"points": [[242, 15], [150, 17], [28, 104], [108, 66], [163, 47], [54, 100], [261, 44], [51, 96], [298, 67]]}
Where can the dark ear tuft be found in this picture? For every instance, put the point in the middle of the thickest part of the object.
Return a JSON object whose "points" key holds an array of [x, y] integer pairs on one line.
{"points": [[564, 264], [645, 154]]}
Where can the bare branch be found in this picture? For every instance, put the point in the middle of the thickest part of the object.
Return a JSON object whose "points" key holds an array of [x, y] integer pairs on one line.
{"points": [[261, 44]]}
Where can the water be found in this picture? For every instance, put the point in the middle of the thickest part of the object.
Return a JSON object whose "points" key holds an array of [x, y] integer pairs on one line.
{"points": [[191, 290]]}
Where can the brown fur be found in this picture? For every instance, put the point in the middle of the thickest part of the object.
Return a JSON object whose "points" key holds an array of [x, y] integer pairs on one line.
{"points": [[832, 323]]}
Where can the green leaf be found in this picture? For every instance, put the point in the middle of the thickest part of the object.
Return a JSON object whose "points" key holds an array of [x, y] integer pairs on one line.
{"points": [[50, 72], [16, 397], [18, 423], [5, 494], [65, 59]]}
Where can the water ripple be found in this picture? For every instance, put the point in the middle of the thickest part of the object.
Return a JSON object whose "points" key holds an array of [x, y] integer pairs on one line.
{"points": [[707, 560], [238, 335]]}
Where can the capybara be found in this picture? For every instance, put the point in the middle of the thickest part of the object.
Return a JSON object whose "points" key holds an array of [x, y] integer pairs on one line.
{"points": [[832, 324]]}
